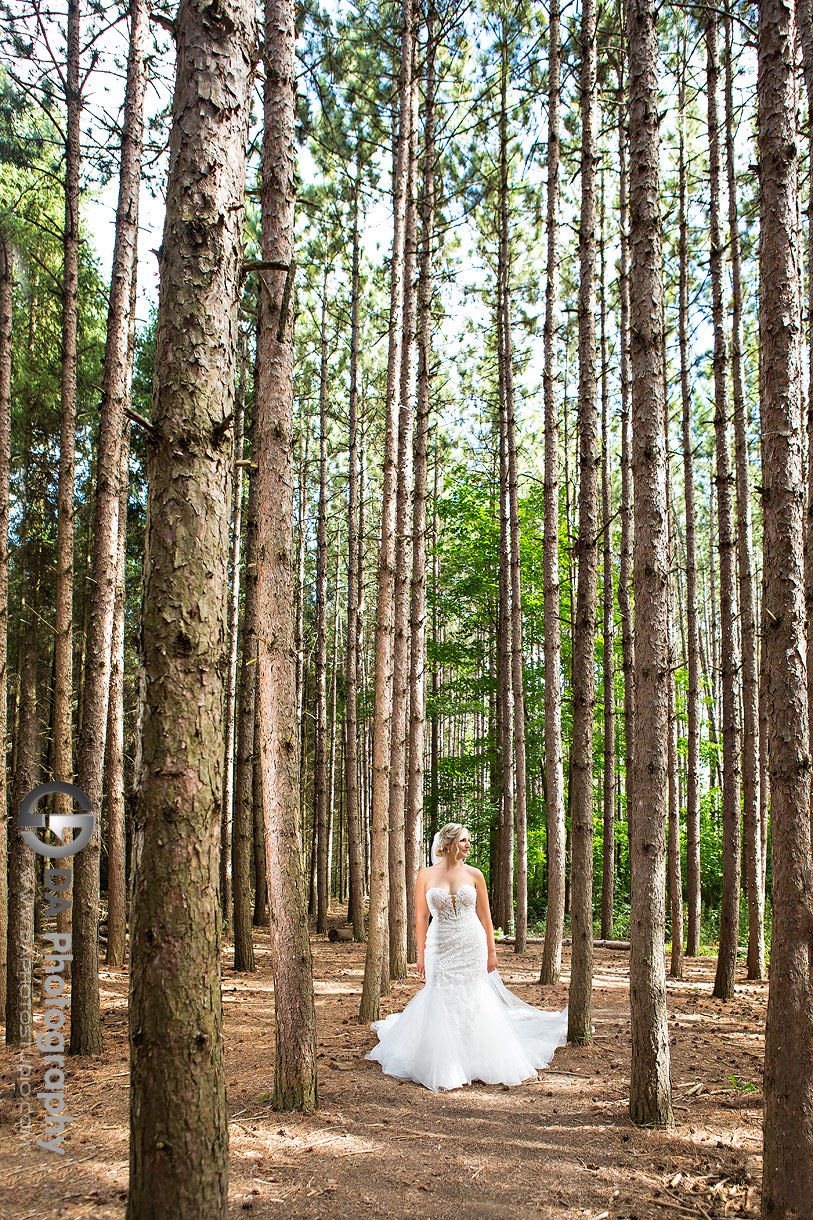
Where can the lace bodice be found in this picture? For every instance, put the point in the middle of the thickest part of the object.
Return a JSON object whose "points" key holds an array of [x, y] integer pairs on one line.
{"points": [[445, 906]]}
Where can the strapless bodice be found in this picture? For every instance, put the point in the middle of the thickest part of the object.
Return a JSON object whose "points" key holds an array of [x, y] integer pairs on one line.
{"points": [[445, 906]]}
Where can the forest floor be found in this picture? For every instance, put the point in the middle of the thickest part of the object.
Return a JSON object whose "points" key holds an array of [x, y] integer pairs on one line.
{"points": [[562, 1146]]}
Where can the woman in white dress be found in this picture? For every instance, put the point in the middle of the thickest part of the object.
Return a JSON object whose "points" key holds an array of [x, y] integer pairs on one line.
{"points": [[464, 1024]]}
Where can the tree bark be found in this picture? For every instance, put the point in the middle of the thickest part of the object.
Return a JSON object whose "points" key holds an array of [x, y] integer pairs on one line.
{"points": [[745, 562], [625, 552], [650, 1084], [19, 1016], [434, 737], [675, 887], [86, 1030], [384, 626], [227, 805], [729, 653], [295, 1084], [114, 763], [787, 1183], [399, 762], [747, 590], [320, 745], [354, 575], [301, 539], [63, 595], [693, 895], [804, 17], [608, 604], [260, 853], [517, 667], [417, 671], [504, 839], [555, 802], [584, 631], [331, 783], [243, 812], [6, 304], [178, 1116]]}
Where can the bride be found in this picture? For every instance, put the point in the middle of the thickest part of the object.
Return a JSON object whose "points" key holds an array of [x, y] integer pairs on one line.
{"points": [[464, 1024]]}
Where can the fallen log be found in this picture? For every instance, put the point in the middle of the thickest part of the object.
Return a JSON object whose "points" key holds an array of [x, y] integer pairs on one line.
{"points": [[539, 940]]}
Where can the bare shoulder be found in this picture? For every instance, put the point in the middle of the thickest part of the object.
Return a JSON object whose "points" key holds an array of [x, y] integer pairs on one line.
{"points": [[475, 874]]}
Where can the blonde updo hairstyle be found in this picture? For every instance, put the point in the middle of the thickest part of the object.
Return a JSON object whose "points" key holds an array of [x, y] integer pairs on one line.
{"points": [[448, 838]]}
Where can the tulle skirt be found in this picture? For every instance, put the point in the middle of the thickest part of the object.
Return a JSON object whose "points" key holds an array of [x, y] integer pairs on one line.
{"points": [[450, 1034]]}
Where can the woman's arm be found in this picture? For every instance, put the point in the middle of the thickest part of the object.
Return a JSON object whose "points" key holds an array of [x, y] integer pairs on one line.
{"points": [[484, 915], [421, 919]]}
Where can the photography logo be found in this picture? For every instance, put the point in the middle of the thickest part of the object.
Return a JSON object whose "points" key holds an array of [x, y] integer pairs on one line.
{"points": [[29, 821], [51, 1040]]}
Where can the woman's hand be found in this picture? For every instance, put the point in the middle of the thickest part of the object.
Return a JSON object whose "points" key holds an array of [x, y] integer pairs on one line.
{"points": [[492, 960], [420, 967]]}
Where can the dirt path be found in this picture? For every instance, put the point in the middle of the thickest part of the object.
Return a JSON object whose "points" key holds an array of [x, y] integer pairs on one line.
{"points": [[562, 1146]]}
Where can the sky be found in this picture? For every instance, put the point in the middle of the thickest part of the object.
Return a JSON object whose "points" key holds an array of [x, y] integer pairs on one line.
{"points": [[104, 95], [106, 92]]}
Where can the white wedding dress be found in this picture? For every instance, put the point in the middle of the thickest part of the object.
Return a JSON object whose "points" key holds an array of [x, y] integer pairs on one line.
{"points": [[465, 1024]]}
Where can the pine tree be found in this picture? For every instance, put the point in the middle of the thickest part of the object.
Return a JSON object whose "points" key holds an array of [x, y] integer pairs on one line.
{"points": [[787, 1181], [650, 1085], [295, 1083], [178, 1117]]}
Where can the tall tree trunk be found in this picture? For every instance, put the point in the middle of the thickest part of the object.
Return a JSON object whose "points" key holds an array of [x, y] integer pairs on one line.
{"points": [[384, 626], [584, 631], [260, 853], [745, 558], [301, 539], [331, 784], [243, 811], [6, 303], [555, 802], [63, 598], [692, 625], [713, 671], [608, 844], [434, 742], [320, 744], [178, 1116], [114, 748], [504, 853], [417, 671], [303, 755], [517, 676], [675, 886], [625, 552], [403, 577], [650, 1084], [86, 1030], [354, 575], [729, 655], [787, 1183], [504, 843], [764, 762], [362, 672], [19, 1016], [804, 17], [227, 804], [295, 1084]]}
